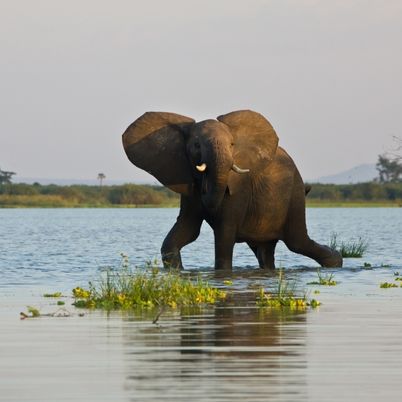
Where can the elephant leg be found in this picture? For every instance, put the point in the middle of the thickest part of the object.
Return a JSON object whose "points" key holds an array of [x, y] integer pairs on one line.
{"points": [[224, 244], [324, 255], [295, 232], [265, 254], [185, 230]]}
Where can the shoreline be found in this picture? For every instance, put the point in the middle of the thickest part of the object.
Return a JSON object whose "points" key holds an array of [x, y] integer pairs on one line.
{"points": [[309, 204]]}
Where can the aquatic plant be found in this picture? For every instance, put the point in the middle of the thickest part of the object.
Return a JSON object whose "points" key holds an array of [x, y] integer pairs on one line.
{"points": [[55, 294], [145, 287], [324, 279], [386, 285], [351, 249], [284, 296], [33, 311]]}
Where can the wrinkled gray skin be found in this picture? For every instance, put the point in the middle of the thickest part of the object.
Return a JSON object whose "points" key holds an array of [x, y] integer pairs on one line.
{"points": [[259, 206]]}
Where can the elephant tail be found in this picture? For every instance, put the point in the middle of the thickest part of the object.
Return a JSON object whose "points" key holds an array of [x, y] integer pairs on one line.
{"points": [[307, 189]]}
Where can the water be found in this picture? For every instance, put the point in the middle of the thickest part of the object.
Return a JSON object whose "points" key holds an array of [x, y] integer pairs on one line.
{"points": [[348, 350]]}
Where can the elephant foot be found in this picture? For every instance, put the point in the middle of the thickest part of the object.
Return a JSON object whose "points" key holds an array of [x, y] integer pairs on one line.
{"points": [[268, 267], [223, 265], [172, 260], [333, 260]]}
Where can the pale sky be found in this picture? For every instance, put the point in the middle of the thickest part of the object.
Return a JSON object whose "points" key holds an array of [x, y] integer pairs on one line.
{"points": [[74, 74]]}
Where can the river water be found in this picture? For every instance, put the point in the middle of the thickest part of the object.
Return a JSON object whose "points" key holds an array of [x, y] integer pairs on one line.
{"points": [[349, 349]]}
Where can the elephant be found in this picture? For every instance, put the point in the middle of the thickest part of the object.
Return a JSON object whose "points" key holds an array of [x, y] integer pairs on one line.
{"points": [[231, 173]]}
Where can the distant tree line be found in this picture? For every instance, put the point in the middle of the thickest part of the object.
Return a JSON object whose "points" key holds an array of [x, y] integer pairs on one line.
{"points": [[132, 194], [75, 195], [387, 187], [370, 191]]}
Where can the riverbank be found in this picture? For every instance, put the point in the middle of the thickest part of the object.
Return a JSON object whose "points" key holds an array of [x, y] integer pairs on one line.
{"points": [[22, 195], [24, 201]]}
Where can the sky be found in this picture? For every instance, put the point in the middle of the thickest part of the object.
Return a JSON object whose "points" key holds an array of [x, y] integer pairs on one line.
{"points": [[74, 74]]}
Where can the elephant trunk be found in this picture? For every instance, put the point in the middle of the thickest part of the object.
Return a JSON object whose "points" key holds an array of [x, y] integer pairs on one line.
{"points": [[213, 191], [215, 177]]}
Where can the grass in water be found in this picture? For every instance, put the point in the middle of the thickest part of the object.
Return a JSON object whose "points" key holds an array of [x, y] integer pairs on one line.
{"points": [[149, 287], [352, 249], [386, 285], [55, 294], [284, 297], [33, 311], [324, 279]]}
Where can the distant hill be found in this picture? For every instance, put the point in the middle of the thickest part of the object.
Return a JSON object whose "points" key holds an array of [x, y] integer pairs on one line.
{"points": [[358, 174]]}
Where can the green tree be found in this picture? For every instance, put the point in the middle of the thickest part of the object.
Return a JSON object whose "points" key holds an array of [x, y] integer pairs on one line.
{"points": [[5, 177], [390, 170]]}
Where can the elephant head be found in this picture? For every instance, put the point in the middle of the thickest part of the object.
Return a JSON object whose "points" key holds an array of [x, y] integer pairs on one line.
{"points": [[213, 155]]}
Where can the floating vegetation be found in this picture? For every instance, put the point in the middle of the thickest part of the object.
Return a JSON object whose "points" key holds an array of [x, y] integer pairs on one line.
{"points": [[398, 278], [147, 287], [55, 294], [351, 249], [61, 303], [386, 285], [324, 279], [316, 292], [367, 265], [314, 303], [228, 283], [33, 312], [284, 297]]}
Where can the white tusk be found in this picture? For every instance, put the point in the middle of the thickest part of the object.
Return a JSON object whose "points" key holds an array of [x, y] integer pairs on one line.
{"points": [[201, 168], [238, 170]]}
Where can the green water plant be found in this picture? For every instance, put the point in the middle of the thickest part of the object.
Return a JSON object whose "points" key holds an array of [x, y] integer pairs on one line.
{"points": [[55, 294], [352, 249], [283, 296], [386, 285], [147, 287], [33, 311], [324, 279]]}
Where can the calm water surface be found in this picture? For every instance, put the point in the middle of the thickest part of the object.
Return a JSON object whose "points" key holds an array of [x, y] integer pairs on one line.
{"points": [[347, 350]]}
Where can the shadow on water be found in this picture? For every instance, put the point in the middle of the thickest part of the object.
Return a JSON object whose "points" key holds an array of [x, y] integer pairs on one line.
{"points": [[239, 353]]}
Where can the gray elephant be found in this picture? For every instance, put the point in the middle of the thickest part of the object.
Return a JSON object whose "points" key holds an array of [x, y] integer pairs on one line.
{"points": [[231, 173]]}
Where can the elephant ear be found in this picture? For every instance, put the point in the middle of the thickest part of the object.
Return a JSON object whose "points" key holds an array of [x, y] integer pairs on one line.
{"points": [[255, 140], [155, 143]]}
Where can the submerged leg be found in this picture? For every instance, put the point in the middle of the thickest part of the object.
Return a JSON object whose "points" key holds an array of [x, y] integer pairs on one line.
{"points": [[224, 244], [265, 254]]}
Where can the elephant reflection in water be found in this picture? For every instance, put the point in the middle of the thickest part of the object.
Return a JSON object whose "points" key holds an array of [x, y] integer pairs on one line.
{"points": [[218, 354], [231, 173]]}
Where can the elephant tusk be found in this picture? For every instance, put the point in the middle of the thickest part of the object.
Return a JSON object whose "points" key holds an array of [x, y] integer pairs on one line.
{"points": [[201, 168], [238, 170]]}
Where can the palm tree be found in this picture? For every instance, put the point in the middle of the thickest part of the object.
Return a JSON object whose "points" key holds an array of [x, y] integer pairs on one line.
{"points": [[101, 177], [5, 177]]}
